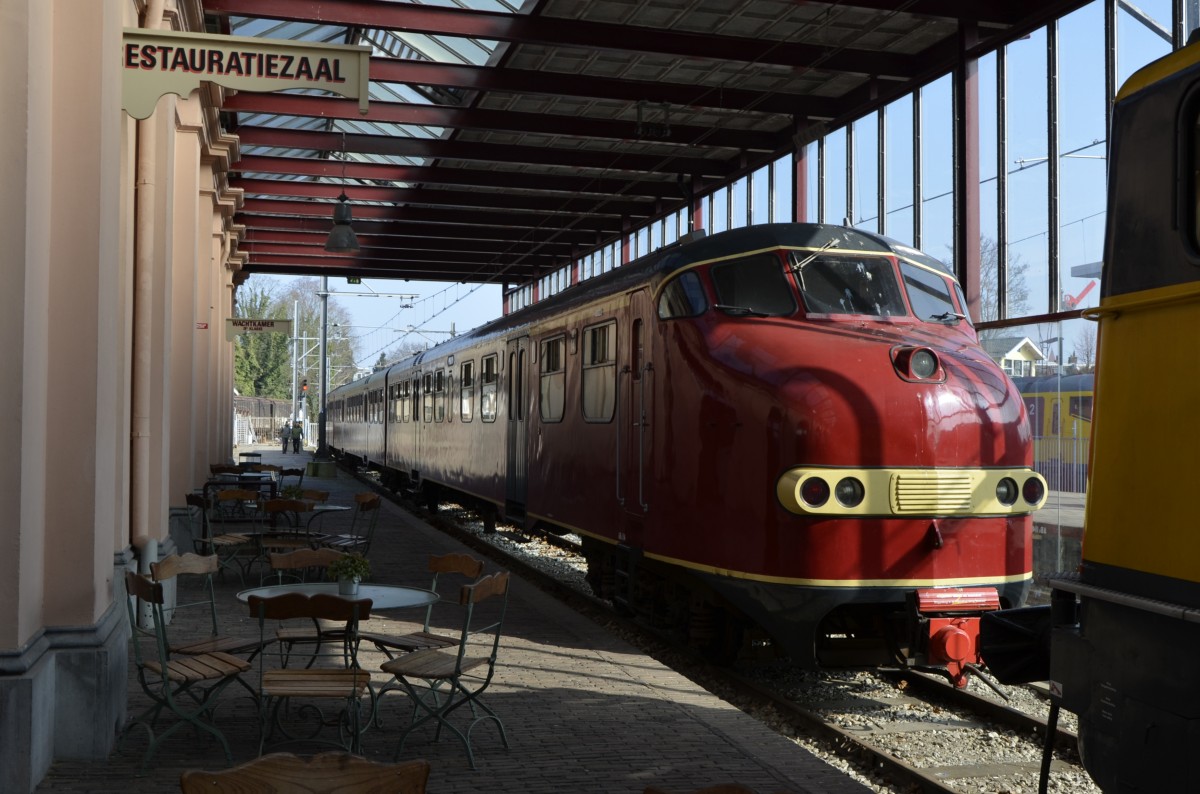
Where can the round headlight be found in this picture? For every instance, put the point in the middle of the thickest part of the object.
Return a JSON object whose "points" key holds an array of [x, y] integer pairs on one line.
{"points": [[814, 492], [1033, 490], [923, 364], [849, 492], [1006, 491]]}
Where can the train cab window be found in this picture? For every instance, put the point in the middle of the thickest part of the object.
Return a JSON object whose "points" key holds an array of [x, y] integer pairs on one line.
{"points": [[489, 378], [836, 284], [754, 286], [466, 378], [599, 372], [439, 396], [682, 297], [552, 396], [427, 397], [929, 295]]}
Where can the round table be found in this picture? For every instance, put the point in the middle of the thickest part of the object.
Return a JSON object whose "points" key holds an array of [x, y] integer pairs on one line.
{"points": [[383, 596]]}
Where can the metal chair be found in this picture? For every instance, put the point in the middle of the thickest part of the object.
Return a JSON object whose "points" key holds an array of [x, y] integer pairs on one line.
{"points": [[362, 526], [327, 773], [335, 676], [187, 686], [226, 546], [168, 570], [452, 564], [440, 681]]}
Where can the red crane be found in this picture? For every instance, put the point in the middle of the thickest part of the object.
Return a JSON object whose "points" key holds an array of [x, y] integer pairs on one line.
{"points": [[1071, 301]]}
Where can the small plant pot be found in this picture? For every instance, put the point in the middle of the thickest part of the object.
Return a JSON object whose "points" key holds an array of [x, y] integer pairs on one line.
{"points": [[348, 586]]}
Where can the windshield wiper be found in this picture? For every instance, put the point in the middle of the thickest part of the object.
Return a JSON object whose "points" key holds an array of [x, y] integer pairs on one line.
{"points": [[740, 311], [948, 318]]}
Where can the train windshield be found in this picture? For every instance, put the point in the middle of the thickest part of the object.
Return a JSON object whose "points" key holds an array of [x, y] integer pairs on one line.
{"points": [[753, 286], [848, 284], [929, 294]]}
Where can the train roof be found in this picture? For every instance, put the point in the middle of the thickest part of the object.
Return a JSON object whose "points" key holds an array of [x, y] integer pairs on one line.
{"points": [[688, 250], [1053, 383]]}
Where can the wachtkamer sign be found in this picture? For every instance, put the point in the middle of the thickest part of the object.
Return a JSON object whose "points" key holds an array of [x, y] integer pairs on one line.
{"points": [[158, 62], [248, 325]]}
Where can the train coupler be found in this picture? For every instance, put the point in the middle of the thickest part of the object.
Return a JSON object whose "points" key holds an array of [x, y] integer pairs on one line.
{"points": [[949, 619]]}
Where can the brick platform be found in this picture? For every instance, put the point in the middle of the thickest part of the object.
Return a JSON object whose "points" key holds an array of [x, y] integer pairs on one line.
{"points": [[584, 711]]}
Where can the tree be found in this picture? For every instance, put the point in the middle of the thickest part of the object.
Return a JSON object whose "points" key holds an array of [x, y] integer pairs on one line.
{"points": [[263, 362], [1017, 288], [1085, 349]]}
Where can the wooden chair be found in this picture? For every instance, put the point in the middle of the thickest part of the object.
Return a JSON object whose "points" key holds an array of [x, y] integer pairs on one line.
{"points": [[452, 564], [287, 531], [362, 526], [297, 473], [327, 773], [440, 681], [174, 566], [223, 468], [186, 686], [336, 675], [315, 496], [226, 546]]}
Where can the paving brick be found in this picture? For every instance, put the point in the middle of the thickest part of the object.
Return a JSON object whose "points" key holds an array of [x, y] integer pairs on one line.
{"points": [[584, 711]]}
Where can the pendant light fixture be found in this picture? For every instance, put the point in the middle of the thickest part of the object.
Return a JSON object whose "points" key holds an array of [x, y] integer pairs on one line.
{"points": [[342, 239]]}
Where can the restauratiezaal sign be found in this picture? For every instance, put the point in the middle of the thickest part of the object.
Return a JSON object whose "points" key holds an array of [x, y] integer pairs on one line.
{"points": [[158, 62], [244, 325]]}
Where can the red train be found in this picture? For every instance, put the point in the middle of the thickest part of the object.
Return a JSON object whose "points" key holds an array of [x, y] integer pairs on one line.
{"points": [[787, 427]]}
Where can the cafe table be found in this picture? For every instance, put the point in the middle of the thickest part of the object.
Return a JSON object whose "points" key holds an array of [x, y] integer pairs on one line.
{"points": [[383, 596]]}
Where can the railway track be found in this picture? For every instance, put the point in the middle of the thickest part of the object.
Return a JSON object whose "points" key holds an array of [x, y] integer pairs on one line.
{"points": [[902, 731]]}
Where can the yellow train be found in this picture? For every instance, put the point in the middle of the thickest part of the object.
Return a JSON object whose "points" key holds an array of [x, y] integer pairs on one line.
{"points": [[1060, 415], [1119, 639]]}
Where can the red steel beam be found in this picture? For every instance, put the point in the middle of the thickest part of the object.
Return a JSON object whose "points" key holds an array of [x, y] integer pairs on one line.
{"points": [[258, 224]]}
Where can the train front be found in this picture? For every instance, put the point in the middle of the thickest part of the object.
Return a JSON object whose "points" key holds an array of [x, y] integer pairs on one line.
{"points": [[899, 453]]}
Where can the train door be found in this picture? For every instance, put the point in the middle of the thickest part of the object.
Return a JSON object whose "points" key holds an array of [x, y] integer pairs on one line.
{"points": [[634, 398], [516, 460]]}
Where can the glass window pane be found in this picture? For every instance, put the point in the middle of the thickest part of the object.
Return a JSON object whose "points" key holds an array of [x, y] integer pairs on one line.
{"points": [[836, 210], [937, 170], [739, 211], [1028, 184], [898, 170], [782, 209], [866, 173], [760, 196]]}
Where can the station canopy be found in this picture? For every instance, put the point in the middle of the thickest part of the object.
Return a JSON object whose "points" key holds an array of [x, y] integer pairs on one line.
{"points": [[504, 138]]}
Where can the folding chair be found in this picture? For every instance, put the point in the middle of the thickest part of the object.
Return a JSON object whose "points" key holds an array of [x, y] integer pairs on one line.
{"points": [[174, 566], [235, 519], [440, 681], [304, 565], [186, 686], [327, 773], [297, 473], [455, 564], [286, 532], [337, 677], [362, 526]]}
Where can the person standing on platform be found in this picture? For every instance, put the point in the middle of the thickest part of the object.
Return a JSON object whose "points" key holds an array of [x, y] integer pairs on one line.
{"points": [[297, 436], [285, 435]]}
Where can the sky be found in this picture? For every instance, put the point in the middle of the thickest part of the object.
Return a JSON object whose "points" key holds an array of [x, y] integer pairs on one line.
{"points": [[388, 312]]}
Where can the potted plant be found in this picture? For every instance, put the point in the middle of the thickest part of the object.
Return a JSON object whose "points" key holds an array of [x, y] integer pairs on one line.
{"points": [[348, 571], [291, 492]]}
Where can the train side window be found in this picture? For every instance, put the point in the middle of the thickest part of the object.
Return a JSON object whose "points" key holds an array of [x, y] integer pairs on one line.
{"points": [[427, 397], [413, 398], [439, 396], [753, 285], [1081, 408], [489, 377], [466, 377], [552, 396], [1054, 418], [599, 362], [682, 297]]}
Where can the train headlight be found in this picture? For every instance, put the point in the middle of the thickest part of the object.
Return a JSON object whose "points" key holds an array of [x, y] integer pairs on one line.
{"points": [[1034, 490], [814, 491], [849, 492], [917, 364], [1006, 491]]}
